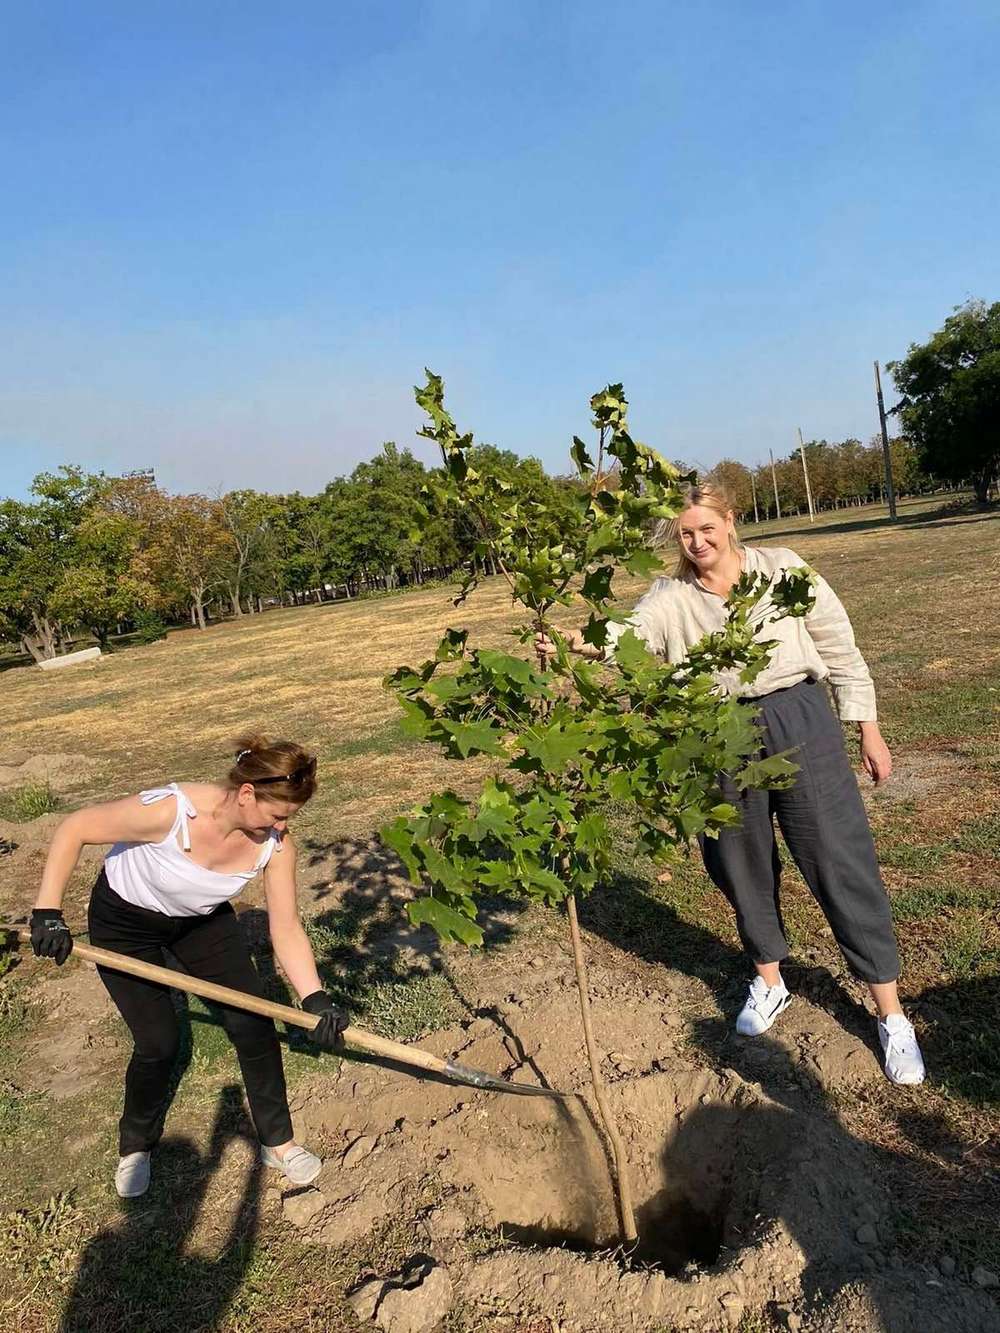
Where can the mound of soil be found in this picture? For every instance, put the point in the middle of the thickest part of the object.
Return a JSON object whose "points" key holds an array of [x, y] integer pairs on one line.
{"points": [[747, 1197], [61, 771]]}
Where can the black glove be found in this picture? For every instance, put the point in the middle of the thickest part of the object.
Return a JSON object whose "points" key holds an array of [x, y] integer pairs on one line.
{"points": [[332, 1021], [50, 937]]}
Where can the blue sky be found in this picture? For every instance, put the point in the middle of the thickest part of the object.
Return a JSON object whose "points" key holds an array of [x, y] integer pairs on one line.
{"points": [[233, 234]]}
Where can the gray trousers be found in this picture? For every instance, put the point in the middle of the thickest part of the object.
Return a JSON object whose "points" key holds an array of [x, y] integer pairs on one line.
{"points": [[826, 829]]}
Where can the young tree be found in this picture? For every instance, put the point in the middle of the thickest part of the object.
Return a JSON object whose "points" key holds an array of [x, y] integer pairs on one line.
{"points": [[950, 404], [570, 740]]}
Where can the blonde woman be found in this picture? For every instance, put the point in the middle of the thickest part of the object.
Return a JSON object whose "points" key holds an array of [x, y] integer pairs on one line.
{"points": [[821, 816], [180, 854]]}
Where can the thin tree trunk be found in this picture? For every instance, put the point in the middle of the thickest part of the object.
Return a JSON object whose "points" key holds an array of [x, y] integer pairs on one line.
{"points": [[629, 1233]]}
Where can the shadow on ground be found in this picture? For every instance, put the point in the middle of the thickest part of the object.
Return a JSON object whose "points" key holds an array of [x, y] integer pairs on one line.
{"points": [[137, 1274], [932, 1178]]}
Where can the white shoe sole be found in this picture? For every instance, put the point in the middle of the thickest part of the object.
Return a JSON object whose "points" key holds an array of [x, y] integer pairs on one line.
{"points": [[768, 1022]]}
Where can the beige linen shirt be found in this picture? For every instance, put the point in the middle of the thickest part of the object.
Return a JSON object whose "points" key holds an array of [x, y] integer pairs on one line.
{"points": [[675, 613]]}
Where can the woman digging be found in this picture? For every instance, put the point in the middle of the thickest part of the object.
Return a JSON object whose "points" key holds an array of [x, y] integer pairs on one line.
{"points": [[821, 816], [180, 854]]}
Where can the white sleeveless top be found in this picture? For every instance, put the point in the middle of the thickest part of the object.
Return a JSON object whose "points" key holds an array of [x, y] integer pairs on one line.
{"points": [[158, 876]]}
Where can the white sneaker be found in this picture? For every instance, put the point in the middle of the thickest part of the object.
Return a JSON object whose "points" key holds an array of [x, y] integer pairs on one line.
{"points": [[300, 1166], [132, 1175], [764, 1004], [903, 1061]]}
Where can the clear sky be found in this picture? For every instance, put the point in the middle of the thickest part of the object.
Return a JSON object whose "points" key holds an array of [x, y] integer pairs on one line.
{"points": [[232, 234]]}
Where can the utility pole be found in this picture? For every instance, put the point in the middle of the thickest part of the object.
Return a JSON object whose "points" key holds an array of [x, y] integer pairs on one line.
{"points": [[805, 473], [774, 479], [890, 490], [753, 488]]}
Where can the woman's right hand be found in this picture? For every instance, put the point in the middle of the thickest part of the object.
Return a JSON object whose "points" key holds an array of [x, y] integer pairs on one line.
{"points": [[50, 937], [573, 639]]}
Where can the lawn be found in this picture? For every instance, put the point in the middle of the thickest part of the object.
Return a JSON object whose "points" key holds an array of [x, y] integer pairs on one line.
{"points": [[924, 598]]}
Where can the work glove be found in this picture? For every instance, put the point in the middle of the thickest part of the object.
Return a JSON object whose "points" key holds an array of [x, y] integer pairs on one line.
{"points": [[50, 937], [332, 1021]]}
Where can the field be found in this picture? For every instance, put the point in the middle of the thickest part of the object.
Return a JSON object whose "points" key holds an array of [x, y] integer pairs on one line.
{"points": [[872, 1207]]}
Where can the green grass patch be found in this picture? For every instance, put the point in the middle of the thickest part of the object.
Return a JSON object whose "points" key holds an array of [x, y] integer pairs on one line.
{"points": [[383, 740], [965, 950], [22, 804], [961, 708], [979, 836], [408, 1010], [927, 900]]}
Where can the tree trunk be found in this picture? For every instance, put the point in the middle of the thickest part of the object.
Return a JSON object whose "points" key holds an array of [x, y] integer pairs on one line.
{"points": [[199, 612], [234, 597], [32, 647], [46, 637], [629, 1233]]}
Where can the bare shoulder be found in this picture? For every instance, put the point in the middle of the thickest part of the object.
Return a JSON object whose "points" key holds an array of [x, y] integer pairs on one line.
{"points": [[204, 796]]}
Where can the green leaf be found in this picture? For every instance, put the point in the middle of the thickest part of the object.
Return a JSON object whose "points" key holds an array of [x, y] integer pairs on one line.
{"points": [[445, 921], [578, 453], [631, 653], [775, 772], [475, 737], [505, 666], [595, 631], [452, 645], [399, 836], [592, 833], [597, 584], [556, 746], [643, 562]]}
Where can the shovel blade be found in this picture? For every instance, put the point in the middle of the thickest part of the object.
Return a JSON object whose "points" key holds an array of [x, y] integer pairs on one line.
{"points": [[478, 1078]]}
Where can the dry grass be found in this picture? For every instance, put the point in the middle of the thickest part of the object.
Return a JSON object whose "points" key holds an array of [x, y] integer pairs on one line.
{"points": [[924, 597]]}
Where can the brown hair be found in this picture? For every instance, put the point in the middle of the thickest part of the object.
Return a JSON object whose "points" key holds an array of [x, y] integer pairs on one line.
{"points": [[278, 770], [668, 531]]}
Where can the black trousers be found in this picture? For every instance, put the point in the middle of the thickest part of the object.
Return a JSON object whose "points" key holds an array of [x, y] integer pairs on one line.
{"points": [[210, 947], [823, 820]]}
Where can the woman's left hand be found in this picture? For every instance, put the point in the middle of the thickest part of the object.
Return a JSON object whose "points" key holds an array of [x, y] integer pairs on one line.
{"points": [[875, 757]]}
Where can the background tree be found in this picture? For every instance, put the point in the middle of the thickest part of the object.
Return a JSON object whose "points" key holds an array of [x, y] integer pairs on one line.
{"points": [[37, 547], [190, 551], [734, 478], [950, 397]]}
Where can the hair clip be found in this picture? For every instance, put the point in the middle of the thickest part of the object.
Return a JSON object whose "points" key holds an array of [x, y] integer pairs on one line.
{"points": [[239, 757]]}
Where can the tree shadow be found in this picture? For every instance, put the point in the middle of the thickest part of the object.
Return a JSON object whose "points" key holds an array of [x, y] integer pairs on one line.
{"points": [[966, 511], [625, 914], [360, 933], [136, 1274], [731, 1169], [963, 1020], [936, 1175]]}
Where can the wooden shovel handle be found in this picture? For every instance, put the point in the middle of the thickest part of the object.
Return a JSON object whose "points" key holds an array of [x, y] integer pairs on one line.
{"points": [[356, 1038]]}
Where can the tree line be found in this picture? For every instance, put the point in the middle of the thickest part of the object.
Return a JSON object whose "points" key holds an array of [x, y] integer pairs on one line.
{"points": [[96, 555]]}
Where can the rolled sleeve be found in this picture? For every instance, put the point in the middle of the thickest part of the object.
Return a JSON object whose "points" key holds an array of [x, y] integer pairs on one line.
{"points": [[648, 622], [829, 627]]}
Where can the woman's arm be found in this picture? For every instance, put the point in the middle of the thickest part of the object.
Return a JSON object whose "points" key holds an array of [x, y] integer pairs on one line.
{"points": [[127, 820], [830, 629], [648, 621], [290, 942]]}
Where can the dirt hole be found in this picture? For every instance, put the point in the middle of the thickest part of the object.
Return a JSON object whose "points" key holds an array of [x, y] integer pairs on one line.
{"points": [[672, 1234], [707, 1163]]}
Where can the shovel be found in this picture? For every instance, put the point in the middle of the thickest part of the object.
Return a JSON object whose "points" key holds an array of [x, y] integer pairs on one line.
{"points": [[355, 1038]]}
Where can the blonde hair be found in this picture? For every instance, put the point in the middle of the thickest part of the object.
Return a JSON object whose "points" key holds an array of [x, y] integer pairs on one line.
{"points": [[277, 770], [707, 495]]}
